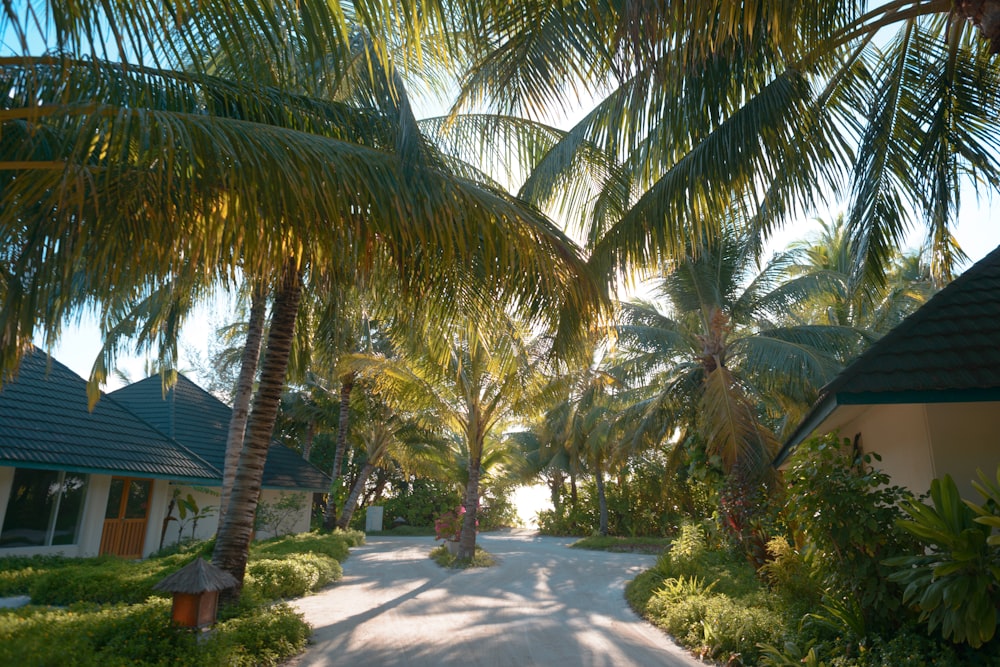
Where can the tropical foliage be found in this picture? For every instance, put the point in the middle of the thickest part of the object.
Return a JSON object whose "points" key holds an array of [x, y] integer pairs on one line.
{"points": [[954, 582]]}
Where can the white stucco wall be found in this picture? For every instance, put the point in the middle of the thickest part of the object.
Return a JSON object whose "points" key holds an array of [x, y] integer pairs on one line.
{"points": [[900, 435], [208, 526], [919, 442], [965, 437], [299, 523], [204, 497]]}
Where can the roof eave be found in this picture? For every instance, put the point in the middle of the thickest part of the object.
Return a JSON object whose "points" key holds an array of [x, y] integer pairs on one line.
{"points": [[816, 416]]}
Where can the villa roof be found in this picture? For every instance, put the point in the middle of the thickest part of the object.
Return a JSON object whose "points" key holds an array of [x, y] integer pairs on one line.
{"points": [[200, 422], [947, 351], [45, 423]]}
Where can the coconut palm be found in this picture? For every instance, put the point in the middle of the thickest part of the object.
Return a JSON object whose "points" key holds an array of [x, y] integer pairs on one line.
{"points": [[783, 106], [467, 378], [384, 436], [118, 178], [841, 299], [719, 365]]}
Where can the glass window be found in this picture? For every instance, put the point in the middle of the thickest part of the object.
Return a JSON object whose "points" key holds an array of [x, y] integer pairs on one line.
{"points": [[114, 508], [45, 507], [138, 497], [66, 529]]}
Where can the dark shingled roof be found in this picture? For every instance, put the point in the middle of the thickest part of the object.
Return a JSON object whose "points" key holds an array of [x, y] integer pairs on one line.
{"points": [[947, 351], [200, 422], [45, 423]]}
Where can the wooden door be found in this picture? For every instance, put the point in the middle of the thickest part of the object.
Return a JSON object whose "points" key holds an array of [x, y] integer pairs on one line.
{"points": [[125, 517]]}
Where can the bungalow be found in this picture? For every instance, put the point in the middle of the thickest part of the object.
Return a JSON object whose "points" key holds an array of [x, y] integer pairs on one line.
{"points": [[107, 481], [925, 397]]}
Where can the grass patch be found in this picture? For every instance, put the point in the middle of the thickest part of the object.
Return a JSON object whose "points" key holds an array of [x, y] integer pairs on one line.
{"points": [[443, 558], [712, 603], [404, 531], [637, 545]]}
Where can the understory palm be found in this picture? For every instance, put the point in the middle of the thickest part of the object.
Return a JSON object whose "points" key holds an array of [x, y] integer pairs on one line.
{"points": [[466, 379]]}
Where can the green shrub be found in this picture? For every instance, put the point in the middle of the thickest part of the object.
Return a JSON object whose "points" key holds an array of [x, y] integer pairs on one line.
{"points": [[688, 549], [846, 511], [443, 557], [291, 576], [335, 544], [419, 501], [640, 590], [714, 624], [912, 647], [111, 635], [17, 572], [954, 580], [496, 509], [125, 635], [264, 637], [100, 581], [787, 574]]}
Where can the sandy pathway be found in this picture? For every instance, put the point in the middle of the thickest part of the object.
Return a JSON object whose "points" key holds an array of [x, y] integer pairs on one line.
{"points": [[543, 604]]}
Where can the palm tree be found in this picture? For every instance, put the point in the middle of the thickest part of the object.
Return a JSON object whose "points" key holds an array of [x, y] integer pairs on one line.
{"points": [[468, 377], [781, 106], [718, 363], [384, 436], [182, 175], [841, 299]]}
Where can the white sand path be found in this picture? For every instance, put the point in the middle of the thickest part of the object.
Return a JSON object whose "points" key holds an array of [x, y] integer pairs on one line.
{"points": [[542, 604]]}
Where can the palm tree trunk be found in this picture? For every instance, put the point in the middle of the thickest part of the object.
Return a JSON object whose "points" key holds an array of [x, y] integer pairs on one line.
{"points": [[602, 499], [233, 542], [308, 444], [985, 15], [346, 386], [383, 479], [244, 392], [352, 500], [555, 490], [467, 543]]}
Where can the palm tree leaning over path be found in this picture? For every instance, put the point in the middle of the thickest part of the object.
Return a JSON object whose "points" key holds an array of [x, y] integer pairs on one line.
{"points": [[782, 106], [121, 177]]}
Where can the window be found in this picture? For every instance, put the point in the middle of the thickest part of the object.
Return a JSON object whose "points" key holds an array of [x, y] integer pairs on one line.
{"points": [[45, 508]]}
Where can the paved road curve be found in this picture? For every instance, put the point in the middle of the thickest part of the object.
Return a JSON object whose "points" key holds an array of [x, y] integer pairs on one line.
{"points": [[542, 604]]}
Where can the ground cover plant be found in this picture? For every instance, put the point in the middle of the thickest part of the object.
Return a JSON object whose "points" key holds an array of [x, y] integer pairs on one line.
{"points": [[831, 590], [111, 615], [643, 545], [445, 558]]}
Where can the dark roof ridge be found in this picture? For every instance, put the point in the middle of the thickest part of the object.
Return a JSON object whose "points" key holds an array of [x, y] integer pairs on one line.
{"points": [[175, 441], [913, 320], [832, 394], [47, 368]]}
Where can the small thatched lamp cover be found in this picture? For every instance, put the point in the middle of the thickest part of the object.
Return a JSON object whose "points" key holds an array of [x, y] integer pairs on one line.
{"points": [[196, 589]]}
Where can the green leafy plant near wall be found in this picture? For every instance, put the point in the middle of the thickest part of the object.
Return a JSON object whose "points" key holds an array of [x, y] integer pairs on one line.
{"points": [[843, 512], [955, 582]]}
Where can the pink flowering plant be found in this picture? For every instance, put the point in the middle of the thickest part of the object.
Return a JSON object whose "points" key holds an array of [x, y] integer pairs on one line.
{"points": [[448, 526]]}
